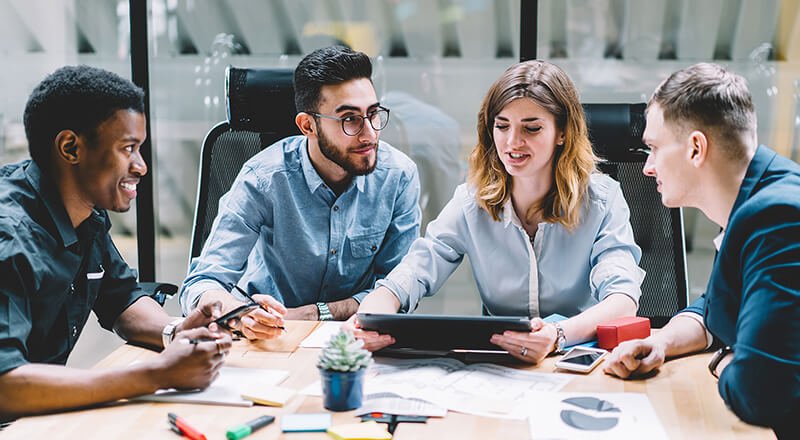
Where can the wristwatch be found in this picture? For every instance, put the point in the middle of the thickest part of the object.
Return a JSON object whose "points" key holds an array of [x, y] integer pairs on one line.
{"points": [[168, 333], [561, 339], [324, 312], [717, 358]]}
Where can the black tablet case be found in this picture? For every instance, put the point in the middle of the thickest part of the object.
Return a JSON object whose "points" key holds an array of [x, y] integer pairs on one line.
{"points": [[442, 332]]}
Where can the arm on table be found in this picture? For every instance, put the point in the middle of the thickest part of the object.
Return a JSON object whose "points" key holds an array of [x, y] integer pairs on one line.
{"points": [[541, 340], [39, 388], [682, 335]]}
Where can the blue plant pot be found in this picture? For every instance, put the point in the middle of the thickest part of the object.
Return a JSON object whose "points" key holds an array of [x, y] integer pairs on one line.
{"points": [[342, 391]]}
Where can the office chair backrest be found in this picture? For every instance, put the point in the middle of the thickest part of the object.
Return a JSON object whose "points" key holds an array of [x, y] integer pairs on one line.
{"points": [[616, 132], [261, 111]]}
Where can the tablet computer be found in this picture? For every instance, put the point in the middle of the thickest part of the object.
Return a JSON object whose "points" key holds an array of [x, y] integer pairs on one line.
{"points": [[442, 332]]}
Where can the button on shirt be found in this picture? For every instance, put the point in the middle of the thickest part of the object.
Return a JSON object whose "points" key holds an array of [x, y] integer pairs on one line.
{"points": [[53, 275], [281, 231], [561, 271]]}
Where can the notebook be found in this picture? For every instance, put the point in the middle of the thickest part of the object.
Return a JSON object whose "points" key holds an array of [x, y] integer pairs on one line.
{"points": [[227, 389]]}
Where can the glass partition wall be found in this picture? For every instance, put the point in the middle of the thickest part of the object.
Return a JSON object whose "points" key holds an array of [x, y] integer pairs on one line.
{"points": [[36, 38], [620, 50], [39, 36], [434, 60]]}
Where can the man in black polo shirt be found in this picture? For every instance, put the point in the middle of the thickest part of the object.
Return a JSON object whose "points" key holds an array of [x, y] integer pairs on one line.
{"points": [[57, 261]]}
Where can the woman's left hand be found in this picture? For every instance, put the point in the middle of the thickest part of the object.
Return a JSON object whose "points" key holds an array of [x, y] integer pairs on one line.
{"points": [[531, 346]]}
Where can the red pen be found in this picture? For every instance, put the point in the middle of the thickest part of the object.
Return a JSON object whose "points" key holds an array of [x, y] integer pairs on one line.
{"points": [[184, 428]]}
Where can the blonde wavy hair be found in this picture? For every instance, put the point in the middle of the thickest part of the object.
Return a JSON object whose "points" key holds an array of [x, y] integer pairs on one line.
{"points": [[552, 89]]}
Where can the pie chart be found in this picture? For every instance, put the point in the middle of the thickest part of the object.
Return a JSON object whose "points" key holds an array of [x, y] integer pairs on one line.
{"points": [[590, 413]]}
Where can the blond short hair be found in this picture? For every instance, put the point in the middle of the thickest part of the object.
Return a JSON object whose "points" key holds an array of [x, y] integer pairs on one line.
{"points": [[709, 98]]}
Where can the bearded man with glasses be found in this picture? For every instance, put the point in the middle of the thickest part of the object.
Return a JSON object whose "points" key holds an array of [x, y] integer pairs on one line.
{"points": [[313, 221]]}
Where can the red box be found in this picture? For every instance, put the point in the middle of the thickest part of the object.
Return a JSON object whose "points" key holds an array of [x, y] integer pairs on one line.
{"points": [[612, 333]]}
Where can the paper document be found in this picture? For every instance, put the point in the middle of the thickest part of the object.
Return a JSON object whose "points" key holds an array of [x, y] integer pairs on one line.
{"points": [[227, 389], [480, 389], [312, 389], [593, 416], [390, 403], [321, 335], [269, 395]]}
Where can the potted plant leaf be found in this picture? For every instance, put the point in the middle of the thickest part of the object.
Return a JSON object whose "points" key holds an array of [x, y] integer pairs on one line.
{"points": [[342, 364]]}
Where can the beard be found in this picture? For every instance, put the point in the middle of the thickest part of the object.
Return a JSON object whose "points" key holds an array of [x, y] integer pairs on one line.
{"points": [[354, 166]]}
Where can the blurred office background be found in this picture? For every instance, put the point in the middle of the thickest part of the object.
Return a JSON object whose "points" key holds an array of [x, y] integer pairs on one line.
{"points": [[433, 59]]}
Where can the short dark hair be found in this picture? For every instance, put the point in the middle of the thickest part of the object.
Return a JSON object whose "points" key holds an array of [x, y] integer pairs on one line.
{"points": [[77, 98], [327, 66], [708, 97]]}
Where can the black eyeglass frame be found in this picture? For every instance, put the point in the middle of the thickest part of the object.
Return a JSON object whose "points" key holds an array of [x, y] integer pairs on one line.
{"points": [[367, 117]]}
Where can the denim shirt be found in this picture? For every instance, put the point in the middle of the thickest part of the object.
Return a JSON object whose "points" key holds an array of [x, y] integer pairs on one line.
{"points": [[561, 272], [282, 231]]}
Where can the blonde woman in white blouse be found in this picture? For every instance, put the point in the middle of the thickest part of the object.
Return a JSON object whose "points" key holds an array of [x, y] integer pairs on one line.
{"points": [[544, 231]]}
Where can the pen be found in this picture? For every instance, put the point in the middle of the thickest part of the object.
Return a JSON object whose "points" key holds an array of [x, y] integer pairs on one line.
{"points": [[184, 428], [242, 431], [195, 341], [247, 295]]}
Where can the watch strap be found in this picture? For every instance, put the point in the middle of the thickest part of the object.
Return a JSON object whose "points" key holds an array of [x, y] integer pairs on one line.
{"points": [[561, 339], [324, 312], [717, 358], [168, 333]]}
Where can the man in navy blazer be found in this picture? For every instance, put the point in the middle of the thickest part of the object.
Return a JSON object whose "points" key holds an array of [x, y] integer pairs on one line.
{"points": [[701, 132]]}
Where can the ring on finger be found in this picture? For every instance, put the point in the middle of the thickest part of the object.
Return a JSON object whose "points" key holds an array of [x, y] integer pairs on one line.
{"points": [[524, 351], [219, 346]]}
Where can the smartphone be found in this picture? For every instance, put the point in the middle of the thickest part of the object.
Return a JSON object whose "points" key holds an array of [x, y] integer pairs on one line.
{"points": [[581, 359], [236, 313]]}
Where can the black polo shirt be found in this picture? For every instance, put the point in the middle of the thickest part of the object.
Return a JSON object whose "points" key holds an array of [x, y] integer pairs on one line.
{"points": [[51, 274]]}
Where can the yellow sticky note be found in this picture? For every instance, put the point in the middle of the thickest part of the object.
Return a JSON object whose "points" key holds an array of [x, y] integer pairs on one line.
{"points": [[270, 396], [360, 431]]}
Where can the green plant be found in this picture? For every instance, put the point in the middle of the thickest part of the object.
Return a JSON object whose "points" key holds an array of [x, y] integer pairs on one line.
{"points": [[344, 353]]}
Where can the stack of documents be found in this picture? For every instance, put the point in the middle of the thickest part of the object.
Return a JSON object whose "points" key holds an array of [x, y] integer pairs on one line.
{"points": [[390, 403], [480, 389]]}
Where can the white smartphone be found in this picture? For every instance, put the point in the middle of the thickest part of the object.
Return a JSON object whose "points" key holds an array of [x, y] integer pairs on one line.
{"points": [[581, 359]]}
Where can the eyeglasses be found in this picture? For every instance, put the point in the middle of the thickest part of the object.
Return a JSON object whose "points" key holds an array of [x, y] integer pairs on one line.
{"points": [[353, 124]]}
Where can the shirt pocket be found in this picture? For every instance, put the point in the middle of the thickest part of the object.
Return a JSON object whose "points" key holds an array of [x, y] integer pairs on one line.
{"points": [[94, 280], [364, 246]]}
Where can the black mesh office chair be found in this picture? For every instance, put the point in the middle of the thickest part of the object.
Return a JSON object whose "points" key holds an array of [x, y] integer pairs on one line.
{"points": [[261, 111], [616, 133]]}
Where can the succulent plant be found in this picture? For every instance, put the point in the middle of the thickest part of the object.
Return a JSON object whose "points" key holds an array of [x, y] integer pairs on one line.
{"points": [[344, 353]]}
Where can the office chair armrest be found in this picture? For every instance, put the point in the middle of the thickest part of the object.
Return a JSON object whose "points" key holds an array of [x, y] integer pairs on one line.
{"points": [[159, 291]]}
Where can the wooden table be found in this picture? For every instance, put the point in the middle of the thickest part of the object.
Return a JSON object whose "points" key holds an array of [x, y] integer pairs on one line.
{"points": [[683, 394]]}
